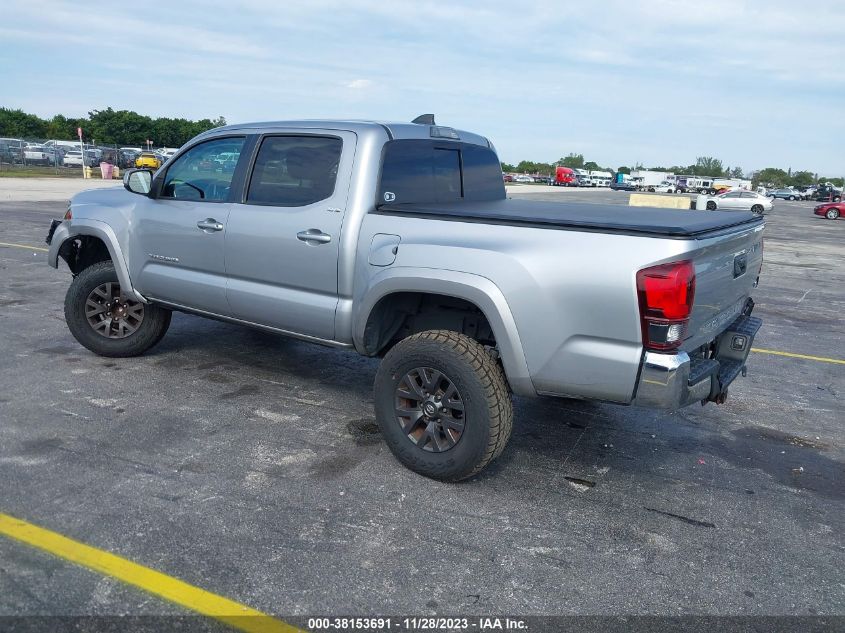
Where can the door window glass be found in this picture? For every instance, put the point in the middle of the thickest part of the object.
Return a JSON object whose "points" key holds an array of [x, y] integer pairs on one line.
{"points": [[204, 173], [294, 171]]}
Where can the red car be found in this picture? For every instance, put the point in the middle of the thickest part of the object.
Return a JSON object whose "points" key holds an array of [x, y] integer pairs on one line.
{"points": [[831, 210]]}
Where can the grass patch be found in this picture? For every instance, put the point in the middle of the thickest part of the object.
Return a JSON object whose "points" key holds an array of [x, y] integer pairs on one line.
{"points": [[19, 171]]}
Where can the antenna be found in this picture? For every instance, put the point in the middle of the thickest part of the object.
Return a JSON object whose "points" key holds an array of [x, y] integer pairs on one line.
{"points": [[424, 119]]}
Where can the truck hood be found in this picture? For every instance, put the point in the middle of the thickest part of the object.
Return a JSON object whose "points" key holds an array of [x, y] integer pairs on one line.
{"points": [[105, 205]]}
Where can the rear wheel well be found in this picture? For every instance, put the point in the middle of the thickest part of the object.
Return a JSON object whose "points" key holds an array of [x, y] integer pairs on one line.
{"points": [[82, 251], [399, 315]]}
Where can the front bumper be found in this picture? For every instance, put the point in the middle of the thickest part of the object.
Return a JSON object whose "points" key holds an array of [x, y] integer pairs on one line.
{"points": [[674, 381]]}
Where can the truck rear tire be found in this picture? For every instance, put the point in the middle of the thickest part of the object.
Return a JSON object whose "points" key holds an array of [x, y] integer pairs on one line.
{"points": [[442, 404], [105, 321]]}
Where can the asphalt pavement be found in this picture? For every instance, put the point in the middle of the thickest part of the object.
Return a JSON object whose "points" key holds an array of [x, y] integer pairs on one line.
{"points": [[250, 465]]}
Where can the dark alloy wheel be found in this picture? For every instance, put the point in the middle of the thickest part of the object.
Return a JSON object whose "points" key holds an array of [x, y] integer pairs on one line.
{"points": [[104, 319], [758, 209], [111, 314], [443, 405], [429, 409], [711, 206], [832, 214]]}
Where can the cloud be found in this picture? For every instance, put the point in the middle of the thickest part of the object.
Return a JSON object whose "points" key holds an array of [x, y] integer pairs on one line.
{"points": [[358, 84], [661, 81]]}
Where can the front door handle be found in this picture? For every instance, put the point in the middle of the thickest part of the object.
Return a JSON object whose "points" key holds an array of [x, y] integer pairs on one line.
{"points": [[314, 237], [209, 225]]}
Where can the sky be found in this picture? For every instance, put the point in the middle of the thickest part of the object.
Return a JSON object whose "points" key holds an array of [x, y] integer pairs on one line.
{"points": [[656, 82]]}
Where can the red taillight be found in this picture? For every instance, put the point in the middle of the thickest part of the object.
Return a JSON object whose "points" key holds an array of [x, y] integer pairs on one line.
{"points": [[68, 213], [666, 293]]}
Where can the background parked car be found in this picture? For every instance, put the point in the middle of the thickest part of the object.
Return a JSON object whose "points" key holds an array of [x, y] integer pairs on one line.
{"points": [[523, 178], [831, 211], [126, 158], [37, 155], [507, 177], [74, 159], [664, 187], [740, 201], [785, 194], [148, 160], [623, 186], [13, 148], [828, 193]]}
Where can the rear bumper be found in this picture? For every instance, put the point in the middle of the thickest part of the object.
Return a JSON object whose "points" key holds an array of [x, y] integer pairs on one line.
{"points": [[674, 381]]}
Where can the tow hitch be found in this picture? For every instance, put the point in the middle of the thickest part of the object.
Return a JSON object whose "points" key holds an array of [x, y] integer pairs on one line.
{"points": [[731, 351]]}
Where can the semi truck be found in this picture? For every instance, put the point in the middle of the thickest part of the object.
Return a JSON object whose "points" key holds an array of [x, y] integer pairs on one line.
{"points": [[565, 177]]}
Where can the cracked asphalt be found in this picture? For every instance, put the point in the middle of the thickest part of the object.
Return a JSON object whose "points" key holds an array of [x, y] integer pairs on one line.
{"points": [[250, 465]]}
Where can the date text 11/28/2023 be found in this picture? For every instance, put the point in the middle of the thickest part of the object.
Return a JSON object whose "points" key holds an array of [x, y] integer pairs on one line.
{"points": [[424, 623]]}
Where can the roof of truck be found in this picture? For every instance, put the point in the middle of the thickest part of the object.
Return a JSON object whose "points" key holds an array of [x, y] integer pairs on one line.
{"points": [[394, 130]]}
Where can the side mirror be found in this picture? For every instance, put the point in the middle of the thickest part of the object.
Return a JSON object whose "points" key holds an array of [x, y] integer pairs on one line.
{"points": [[138, 181]]}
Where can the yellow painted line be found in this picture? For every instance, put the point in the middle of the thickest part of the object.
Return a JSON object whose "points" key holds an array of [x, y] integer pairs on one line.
{"points": [[821, 359], [234, 614], [29, 248]]}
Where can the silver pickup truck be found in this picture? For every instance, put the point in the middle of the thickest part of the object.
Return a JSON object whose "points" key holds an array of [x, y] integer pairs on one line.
{"points": [[397, 240]]}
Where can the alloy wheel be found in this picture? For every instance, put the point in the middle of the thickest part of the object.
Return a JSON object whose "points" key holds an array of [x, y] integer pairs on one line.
{"points": [[111, 314], [429, 409]]}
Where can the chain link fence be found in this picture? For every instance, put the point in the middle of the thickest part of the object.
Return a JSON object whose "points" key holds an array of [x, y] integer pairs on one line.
{"points": [[51, 157]]}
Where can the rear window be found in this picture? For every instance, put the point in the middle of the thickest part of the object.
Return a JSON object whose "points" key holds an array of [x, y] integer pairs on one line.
{"points": [[419, 171]]}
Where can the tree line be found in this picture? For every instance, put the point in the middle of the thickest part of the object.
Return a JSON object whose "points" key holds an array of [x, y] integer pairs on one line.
{"points": [[703, 166], [107, 127]]}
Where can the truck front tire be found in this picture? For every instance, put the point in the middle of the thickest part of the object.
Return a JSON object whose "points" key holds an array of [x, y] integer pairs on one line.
{"points": [[102, 319], [442, 404]]}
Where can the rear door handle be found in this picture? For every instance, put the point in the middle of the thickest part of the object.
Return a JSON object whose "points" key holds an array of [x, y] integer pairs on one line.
{"points": [[209, 225], [314, 237]]}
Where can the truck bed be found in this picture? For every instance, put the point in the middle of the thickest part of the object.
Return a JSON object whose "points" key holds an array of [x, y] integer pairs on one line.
{"points": [[610, 218]]}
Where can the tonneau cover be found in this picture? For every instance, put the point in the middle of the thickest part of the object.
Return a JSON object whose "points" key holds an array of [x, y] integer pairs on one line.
{"points": [[676, 223]]}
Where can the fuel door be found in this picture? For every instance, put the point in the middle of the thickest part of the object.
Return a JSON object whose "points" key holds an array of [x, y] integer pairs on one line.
{"points": [[383, 249]]}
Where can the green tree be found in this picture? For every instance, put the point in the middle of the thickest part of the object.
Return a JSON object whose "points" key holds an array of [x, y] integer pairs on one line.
{"points": [[592, 166], [575, 161], [17, 123], [801, 179], [772, 176], [507, 167], [530, 167], [736, 172], [623, 170], [708, 166]]}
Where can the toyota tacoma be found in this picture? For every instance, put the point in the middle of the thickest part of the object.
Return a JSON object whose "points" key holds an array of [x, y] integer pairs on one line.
{"points": [[398, 241]]}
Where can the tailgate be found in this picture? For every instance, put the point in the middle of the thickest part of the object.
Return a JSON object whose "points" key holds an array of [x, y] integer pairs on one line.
{"points": [[726, 270]]}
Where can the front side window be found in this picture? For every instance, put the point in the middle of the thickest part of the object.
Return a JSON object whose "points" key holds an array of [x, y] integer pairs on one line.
{"points": [[203, 173], [295, 171]]}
